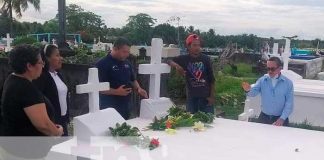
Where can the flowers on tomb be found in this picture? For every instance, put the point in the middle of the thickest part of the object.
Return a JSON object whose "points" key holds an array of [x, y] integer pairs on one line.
{"points": [[170, 131], [178, 117], [199, 126], [132, 136], [154, 143]]}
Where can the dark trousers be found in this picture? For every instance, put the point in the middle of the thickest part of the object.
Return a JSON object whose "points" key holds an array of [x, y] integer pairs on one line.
{"points": [[195, 104], [119, 103], [268, 119]]}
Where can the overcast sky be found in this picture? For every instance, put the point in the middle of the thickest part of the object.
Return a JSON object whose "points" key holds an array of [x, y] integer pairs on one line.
{"points": [[264, 18]]}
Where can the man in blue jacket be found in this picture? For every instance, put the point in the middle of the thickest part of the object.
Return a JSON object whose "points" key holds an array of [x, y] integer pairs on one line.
{"points": [[277, 94]]}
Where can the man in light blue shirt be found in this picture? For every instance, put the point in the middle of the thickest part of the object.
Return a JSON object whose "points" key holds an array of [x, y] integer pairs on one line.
{"points": [[277, 94]]}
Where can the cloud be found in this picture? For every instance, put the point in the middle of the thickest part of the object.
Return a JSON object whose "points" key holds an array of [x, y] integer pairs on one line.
{"points": [[261, 17]]}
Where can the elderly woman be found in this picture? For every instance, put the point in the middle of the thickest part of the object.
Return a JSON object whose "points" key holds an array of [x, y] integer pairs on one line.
{"points": [[25, 111], [52, 85]]}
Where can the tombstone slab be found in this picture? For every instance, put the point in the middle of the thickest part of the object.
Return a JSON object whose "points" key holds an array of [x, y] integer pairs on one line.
{"points": [[96, 122]]}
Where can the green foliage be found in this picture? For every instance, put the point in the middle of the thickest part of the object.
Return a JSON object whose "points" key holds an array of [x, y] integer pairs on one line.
{"points": [[176, 85], [166, 32], [24, 40], [230, 96], [140, 28], [124, 130], [243, 70], [3, 54], [306, 125], [84, 56], [203, 117], [178, 117], [176, 111], [88, 24], [158, 124], [10, 6]]}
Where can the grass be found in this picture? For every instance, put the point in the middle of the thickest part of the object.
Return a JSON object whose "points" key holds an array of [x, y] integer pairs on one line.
{"points": [[243, 70], [306, 125], [229, 93]]}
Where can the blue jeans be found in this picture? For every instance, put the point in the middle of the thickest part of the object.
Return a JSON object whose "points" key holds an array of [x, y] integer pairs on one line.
{"points": [[195, 104]]}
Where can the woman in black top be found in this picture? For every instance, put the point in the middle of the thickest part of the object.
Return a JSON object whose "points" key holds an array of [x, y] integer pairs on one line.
{"points": [[52, 85], [25, 111]]}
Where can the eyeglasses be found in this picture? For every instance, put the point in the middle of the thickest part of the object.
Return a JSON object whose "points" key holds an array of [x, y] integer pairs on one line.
{"points": [[272, 69], [42, 63]]}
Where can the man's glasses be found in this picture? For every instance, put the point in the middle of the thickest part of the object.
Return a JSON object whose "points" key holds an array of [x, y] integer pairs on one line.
{"points": [[272, 69]]}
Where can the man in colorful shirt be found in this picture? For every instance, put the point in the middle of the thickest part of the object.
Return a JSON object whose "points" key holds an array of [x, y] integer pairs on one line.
{"points": [[198, 72]]}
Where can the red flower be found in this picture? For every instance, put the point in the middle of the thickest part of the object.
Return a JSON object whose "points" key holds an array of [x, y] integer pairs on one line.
{"points": [[168, 124], [155, 142]]}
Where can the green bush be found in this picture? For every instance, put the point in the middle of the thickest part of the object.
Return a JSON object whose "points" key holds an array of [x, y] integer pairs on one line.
{"points": [[24, 40], [176, 85], [230, 95], [3, 54], [84, 56]]}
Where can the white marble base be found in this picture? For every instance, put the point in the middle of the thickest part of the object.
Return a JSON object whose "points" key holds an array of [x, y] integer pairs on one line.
{"points": [[155, 107], [96, 124]]}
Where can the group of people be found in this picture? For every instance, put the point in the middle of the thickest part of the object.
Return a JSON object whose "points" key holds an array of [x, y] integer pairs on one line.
{"points": [[35, 97], [276, 90]]}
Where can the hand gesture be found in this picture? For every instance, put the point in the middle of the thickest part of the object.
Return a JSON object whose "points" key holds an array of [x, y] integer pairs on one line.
{"points": [[246, 86], [142, 92], [122, 91], [180, 70]]}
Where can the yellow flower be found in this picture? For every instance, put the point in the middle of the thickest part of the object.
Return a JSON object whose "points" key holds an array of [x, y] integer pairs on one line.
{"points": [[170, 131], [199, 126]]}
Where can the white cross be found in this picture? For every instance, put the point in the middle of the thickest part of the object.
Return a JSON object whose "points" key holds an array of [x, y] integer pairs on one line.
{"points": [[155, 68], [93, 87], [53, 41], [275, 49], [286, 54], [9, 41]]}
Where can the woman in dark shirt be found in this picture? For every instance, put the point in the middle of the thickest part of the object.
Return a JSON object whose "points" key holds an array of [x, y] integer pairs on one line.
{"points": [[25, 111], [52, 85]]}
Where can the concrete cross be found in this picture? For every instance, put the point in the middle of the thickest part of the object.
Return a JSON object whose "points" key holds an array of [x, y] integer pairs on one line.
{"points": [[9, 41], [155, 68], [93, 87]]}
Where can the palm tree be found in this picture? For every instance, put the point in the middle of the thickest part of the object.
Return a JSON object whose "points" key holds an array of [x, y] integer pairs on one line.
{"points": [[18, 6]]}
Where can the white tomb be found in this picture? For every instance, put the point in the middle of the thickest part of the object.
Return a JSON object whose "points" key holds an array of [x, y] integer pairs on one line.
{"points": [[97, 121], [308, 98], [8, 40], [227, 139], [155, 105], [100, 46]]}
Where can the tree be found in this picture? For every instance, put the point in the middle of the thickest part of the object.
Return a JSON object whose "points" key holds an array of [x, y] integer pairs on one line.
{"points": [[139, 28], [167, 32], [4, 27], [87, 23], [51, 26], [18, 6], [316, 42]]}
